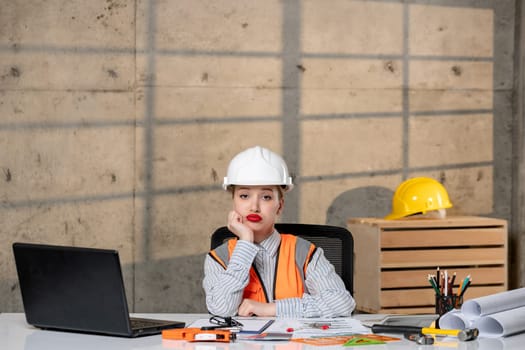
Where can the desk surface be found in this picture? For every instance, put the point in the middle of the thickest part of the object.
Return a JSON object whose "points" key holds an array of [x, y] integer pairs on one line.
{"points": [[16, 334]]}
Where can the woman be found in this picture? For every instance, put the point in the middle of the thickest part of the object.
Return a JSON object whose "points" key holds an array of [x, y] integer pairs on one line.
{"points": [[264, 272]]}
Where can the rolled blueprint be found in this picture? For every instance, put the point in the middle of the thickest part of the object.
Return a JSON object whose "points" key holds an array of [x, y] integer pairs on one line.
{"points": [[490, 304], [496, 315], [454, 319], [501, 324]]}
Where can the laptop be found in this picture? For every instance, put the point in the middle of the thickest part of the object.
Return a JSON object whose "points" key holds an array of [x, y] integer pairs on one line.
{"points": [[78, 289]]}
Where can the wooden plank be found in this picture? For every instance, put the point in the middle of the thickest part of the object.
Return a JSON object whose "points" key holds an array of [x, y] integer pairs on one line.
{"points": [[426, 297], [367, 266], [418, 278], [451, 221], [365, 308], [443, 238], [443, 257]]}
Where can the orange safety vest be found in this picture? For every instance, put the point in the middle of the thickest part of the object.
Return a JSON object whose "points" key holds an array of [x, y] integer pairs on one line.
{"points": [[294, 254]]}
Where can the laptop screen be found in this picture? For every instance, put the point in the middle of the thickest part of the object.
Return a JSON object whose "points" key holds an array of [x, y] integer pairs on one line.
{"points": [[72, 288]]}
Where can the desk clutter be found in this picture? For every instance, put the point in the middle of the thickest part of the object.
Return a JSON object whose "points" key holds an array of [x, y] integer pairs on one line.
{"points": [[16, 335], [330, 332], [319, 332]]}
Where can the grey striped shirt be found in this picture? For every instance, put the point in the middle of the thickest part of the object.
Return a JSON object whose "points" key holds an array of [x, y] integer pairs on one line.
{"points": [[325, 294]]}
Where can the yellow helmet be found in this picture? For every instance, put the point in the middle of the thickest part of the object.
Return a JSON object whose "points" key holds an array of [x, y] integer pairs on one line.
{"points": [[418, 195]]}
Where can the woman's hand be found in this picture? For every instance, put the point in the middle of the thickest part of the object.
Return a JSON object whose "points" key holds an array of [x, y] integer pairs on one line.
{"points": [[250, 307], [236, 225]]}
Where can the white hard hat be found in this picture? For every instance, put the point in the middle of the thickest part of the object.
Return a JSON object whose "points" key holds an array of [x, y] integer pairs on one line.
{"points": [[258, 166]]}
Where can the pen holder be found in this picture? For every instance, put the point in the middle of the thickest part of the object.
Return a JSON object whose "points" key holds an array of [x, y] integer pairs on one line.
{"points": [[446, 303]]}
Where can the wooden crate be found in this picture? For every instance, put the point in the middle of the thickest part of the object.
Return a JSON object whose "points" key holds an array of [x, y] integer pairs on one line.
{"points": [[394, 257]]}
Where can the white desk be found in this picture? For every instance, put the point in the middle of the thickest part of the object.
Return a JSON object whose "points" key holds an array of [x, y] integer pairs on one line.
{"points": [[16, 334]]}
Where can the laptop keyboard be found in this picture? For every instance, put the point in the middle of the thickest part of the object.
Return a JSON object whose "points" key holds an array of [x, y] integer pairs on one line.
{"points": [[143, 323]]}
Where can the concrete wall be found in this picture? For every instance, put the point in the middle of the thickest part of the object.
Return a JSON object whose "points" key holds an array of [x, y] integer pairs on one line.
{"points": [[518, 204], [118, 119]]}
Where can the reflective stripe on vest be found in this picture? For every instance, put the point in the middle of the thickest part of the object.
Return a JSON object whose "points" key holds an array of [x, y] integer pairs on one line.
{"points": [[293, 256]]}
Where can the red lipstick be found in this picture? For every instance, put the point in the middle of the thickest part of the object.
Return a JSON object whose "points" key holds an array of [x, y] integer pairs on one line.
{"points": [[253, 218]]}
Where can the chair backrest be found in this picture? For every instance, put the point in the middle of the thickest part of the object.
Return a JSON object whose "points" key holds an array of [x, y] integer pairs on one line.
{"points": [[337, 243]]}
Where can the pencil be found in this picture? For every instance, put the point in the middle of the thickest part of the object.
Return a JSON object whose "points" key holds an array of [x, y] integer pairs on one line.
{"points": [[432, 283], [453, 280], [460, 288], [435, 281], [438, 277], [465, 282], [445, 285], [465, 289]]}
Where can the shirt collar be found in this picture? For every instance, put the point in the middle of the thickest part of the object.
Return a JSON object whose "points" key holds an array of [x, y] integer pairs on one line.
{"points": [[271, 244]]}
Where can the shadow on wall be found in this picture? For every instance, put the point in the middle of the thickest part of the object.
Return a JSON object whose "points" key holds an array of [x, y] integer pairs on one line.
{"points": [[169, 285], [370, 201], [175, 285]]}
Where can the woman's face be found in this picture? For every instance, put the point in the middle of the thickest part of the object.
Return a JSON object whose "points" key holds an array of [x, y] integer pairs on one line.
{"points": [[259, 207]]}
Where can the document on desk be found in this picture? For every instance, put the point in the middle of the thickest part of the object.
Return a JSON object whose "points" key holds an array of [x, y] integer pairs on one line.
{"points": [[318, 327]]}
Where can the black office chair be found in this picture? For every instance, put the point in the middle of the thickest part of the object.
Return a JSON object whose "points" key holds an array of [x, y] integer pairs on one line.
{"points": [[337, 243]]}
